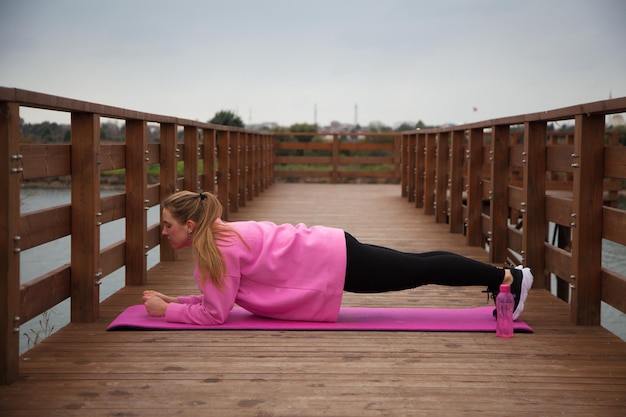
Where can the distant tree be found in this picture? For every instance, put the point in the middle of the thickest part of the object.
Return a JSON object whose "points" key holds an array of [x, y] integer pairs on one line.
{"points": [[45, 132], [622, 133], [284, 138], [110, 131], [405, 126], [304, 128], [227, 118], [420, 125], [378, 127], [301, 128]]}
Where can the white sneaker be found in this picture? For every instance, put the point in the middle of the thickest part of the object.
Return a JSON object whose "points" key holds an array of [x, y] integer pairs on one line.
{"points": [[522, 283]]}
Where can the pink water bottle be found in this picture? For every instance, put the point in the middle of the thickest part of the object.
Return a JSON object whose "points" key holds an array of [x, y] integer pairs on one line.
{"points": [[504, 307]]}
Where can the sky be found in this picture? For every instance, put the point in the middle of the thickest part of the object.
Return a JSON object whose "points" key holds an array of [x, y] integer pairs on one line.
{"points": [[303, 61]]}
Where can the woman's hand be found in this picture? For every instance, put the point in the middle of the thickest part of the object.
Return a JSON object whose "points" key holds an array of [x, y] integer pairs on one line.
{"points": [[150, 293], [156, 302], [155, 305]]}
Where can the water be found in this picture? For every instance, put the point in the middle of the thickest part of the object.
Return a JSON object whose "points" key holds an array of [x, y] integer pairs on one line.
{"points": [[43, 258], [614, 258]]}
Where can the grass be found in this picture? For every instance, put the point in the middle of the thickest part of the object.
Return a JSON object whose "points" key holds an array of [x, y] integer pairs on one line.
{"points": [[45, 329], [154, 169], [326, 167]]}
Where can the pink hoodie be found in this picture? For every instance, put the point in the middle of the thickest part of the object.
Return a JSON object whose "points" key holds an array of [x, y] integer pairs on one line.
{"points": [[289, 272]]}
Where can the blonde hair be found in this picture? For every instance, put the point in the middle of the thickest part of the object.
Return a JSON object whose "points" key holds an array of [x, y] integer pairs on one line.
{"points": [[204, 209]]}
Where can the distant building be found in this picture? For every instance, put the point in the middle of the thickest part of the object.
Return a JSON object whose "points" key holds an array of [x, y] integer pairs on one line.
{"points": [[616, 120], [263, 126]]}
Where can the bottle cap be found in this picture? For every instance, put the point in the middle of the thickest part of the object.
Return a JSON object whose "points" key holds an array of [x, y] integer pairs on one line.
{"points": [[505, 288]]}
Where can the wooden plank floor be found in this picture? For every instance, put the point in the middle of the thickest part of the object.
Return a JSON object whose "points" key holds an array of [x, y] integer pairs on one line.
{"points": [[561, 369]]}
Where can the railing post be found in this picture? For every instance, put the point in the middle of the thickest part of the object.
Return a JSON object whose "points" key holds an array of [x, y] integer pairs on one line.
{"points": [[248, 151], [534, 219], [418, 174], [430, 150], [409, 169], [235, 172], [456, 181], [261, 176], [397, 158], [499, 201], [11, 161], [266, 162], [168, 177], [243, 168], [253, 160], [441, 176], [262, 164], [474, 188], [208, 160], [404, 183], [190, 158], [136, 202], [270, 159], [85, 246], [588, 164], [408, 163], [334, 175], [223, 161]]}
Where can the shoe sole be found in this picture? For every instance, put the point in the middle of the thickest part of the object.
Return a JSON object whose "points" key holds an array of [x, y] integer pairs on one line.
{"points": [[527, 283]]}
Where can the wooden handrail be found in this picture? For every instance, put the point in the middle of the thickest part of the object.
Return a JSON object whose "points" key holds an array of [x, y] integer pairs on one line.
{"points": [[500, 182], [507, 179], [236, 167], [330, 160]]}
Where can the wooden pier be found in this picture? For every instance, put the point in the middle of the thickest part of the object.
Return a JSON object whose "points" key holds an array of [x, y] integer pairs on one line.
{"points": [[499, 185], [561, 369]]}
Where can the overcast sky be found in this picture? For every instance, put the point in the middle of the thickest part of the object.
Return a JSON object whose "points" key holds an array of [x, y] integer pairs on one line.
{"points": [[279, 60]]}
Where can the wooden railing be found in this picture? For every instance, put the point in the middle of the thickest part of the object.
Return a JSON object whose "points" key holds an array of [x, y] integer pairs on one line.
{"points": [[359, 155], [505, 182], [486, 180], [237, 165]]}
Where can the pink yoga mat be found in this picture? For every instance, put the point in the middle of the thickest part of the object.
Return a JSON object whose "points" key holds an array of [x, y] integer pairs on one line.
{"points": [[478, 319]]}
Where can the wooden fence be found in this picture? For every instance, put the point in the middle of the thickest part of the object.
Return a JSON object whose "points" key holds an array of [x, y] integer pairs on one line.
{"points": [[507, 183], [237, 166], [499, 187], [338, 157]]}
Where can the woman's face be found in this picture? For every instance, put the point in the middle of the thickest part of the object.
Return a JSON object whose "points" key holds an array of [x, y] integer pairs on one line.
{"points": [[178, 234]]}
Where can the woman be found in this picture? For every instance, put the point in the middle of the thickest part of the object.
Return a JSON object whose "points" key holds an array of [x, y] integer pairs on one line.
{"points": [[297, 272]]}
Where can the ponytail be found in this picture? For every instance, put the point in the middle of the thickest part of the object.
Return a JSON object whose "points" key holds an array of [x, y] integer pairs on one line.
{"points": [[206, 211]]}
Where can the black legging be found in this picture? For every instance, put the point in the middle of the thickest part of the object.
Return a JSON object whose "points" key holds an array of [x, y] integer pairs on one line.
{"points": [[372, 269]]}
